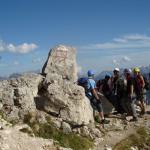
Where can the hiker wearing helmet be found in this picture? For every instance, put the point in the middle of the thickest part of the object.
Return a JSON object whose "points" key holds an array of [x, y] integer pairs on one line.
{"points": [[94, 98], [117, 90], [128, 103], [139, 89]]}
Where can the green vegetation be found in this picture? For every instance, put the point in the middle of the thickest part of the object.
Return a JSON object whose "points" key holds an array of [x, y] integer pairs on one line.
{"points": [[12, 122], [2, 115], [48, 131], [141, 139], [97, 119], [26, 130]]}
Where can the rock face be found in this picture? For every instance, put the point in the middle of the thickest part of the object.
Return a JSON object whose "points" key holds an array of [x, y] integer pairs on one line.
{"points": [[62, 61], [17, 95], [61, 95]]}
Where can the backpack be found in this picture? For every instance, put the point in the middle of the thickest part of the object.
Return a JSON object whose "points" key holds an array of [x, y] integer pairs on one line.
{"points": [[138, 85], [99, 83], [119, 88], [147, 83], [84, 82]]}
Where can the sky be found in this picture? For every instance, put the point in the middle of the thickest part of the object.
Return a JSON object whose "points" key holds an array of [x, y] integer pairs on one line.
{"points": [[106, 33]]}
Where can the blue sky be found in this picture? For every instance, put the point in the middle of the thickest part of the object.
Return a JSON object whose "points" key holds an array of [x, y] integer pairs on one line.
{"points": [[106, 33]]}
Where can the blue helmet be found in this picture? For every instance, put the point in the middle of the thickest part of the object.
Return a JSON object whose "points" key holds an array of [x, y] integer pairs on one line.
{"points": [[107, 76], [127, 70], [90, 73]]}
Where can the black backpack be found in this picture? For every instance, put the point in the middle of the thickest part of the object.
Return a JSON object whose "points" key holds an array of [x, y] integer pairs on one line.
{"points": [[147, 83]]}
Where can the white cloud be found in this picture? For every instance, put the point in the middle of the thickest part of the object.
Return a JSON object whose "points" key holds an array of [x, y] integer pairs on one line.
{"points": [[125, 59], [116, 62], [131, 41], [121, 60], [22, 48]]}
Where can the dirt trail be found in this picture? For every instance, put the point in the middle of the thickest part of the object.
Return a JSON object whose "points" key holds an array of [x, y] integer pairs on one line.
{"points": [[111, 138]]}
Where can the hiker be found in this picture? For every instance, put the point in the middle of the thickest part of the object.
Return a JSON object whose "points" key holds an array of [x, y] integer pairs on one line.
{"points": [[128, 102], [117, 85], [94, 98], [139, 89], [146, 89], [104, 87]]}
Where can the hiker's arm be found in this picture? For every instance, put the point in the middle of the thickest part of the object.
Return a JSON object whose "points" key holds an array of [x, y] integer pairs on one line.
{"points": [[94, 92], [131, 90]]}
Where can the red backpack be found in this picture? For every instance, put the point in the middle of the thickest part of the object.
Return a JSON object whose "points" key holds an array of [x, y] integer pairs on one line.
{"points": [[139, 82]]}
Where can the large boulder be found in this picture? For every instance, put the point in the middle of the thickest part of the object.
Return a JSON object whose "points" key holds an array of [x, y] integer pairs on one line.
{"points": [[61, 94], [17, 96], [61, 60]]}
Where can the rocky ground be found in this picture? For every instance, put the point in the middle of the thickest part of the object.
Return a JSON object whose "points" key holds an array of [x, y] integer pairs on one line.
{"points": [[114, 136], [11, 138]]}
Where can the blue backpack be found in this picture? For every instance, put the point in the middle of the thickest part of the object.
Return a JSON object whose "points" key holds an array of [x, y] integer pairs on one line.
{"points": [[84, 82]]}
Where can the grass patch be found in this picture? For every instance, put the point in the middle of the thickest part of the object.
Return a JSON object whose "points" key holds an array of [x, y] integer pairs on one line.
{"points": [[97, 119], [2, 115], [26, 130], [48, 131], [141, 139], [12, 122]]}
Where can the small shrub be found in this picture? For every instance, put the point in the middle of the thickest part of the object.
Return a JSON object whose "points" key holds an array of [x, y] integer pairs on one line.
{"points": [[14, 122], [26, 130], [27, 118]]}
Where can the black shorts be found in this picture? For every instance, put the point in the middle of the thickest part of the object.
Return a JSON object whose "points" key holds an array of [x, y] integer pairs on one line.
{"points": [[140, 96], [96, 104]]}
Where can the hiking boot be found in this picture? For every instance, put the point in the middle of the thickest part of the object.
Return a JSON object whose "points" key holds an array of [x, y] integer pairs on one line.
{"points": [[142, 113], [134, 119], [123, 116], [104, 121]]}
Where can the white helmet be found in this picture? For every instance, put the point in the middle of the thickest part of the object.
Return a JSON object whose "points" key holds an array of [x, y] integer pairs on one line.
{"points": [[117, 69]]}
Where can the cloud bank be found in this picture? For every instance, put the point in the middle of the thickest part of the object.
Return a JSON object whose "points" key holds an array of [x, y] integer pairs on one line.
{"points": [[131, 41], [122, 60], [22, 48]]}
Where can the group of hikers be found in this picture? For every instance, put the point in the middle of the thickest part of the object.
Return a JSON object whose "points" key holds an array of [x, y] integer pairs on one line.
{"points": [[124, 91]]}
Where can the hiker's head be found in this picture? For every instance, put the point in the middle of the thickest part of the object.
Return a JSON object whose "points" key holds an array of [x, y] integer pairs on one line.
{"points": [[116, 71], [136, 71], [127, 72], [90, 73], [107, 76]]}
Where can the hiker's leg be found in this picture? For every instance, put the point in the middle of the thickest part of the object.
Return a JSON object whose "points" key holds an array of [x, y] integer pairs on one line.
{"points": [[120, 108], [100, 109], [133, 108], [143, 107], [142, 104], [124, 104], [101, 113]]}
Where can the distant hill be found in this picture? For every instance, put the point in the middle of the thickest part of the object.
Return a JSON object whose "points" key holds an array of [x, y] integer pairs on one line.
{"points": [[3, 78], [16, 75]]}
